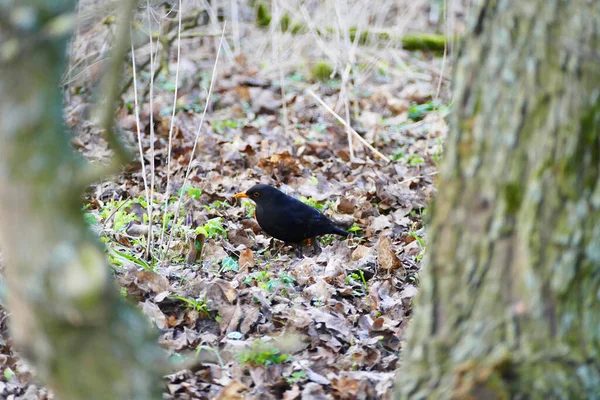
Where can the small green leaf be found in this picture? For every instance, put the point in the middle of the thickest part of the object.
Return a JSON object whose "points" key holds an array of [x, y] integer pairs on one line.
{"points": [[229, 264], [354, 228], [8, 373], [90, 219]]}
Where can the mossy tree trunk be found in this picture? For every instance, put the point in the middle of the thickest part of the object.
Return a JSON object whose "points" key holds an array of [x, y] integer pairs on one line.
{"points": [[66, 314], [510, 300]]}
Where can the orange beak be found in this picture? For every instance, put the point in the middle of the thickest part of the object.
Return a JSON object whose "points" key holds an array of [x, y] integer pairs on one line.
{"points": [[240, 196]]}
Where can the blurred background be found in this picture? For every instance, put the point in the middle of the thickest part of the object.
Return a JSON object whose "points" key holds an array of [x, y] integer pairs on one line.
{"points": [[341, 104]]}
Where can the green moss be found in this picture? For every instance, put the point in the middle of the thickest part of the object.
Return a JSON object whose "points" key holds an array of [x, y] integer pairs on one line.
{"points": [[263, 15], [424, 41], [513, 196], [362, 40], [590, 123], [285, 22], [299, 29], [321, 71]]}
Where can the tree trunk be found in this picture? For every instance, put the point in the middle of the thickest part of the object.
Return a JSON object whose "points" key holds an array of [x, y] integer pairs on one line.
{"points": [[66, 315], [510, 300]]}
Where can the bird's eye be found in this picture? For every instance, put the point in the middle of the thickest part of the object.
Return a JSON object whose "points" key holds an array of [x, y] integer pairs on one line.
{"points": [[256, 194]]}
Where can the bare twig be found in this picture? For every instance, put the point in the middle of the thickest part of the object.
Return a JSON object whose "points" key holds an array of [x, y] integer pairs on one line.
{"points": [[150, 201], [441, 78], [343, 122], [189, 167], [139, 137], [172, 124], [418, 177], [277, 14], [111, 82], [94, 173]]}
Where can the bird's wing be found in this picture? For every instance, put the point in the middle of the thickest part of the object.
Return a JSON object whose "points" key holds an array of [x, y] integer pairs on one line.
{"points": [[311, 220]]}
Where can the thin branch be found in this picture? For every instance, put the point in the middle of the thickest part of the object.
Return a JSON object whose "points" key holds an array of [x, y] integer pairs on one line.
{"points": [[418, 177], [343, 122], [111, 82], [189, 167], [172, 124], [139, 137], [93, 173], [439, 85], [152, 152]]}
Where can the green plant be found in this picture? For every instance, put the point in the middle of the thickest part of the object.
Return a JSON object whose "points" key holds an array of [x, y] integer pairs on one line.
{"points": [[413, 278], [295, 377], [421, 242], [8, 373], [212, 228], [221, 126], [198, 304], [355, 229], [315, 204], [326, 239], [400, 153], [415, 159], [216, 205], [419, 211], [258, 276], [311, 202], [262, 353], [125, 257], [90, 219], [117, 210], [319, 128], [321, 71], [228, 264], [191, 192], [249, 207], [263, 15], [417, 112], [264, 280], [204, 347], [359, 277]]}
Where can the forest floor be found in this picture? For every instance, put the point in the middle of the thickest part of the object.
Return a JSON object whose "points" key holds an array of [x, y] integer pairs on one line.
{"points": [[241, 314]]}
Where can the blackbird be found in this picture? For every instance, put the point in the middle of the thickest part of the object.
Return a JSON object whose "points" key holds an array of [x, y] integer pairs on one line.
{"points": [[286, 218]]}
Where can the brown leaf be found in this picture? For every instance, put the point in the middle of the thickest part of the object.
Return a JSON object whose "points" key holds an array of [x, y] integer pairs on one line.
{"points": [[361, 252], [152, 311], [378, 224], [195, 245], [151, 281], [386, 255], [346, 205], [246, 260], [234, 391]]}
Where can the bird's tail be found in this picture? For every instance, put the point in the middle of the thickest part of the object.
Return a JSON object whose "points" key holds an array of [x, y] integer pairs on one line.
{"points": [[338, 231]]}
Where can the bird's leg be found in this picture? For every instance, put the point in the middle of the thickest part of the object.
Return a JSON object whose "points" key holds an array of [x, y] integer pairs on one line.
{"points": [[315, 246], [278, 249]]}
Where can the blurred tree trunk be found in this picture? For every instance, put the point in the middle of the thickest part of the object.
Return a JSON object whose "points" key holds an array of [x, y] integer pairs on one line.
{"points": [[66, 315], [510, 300]]}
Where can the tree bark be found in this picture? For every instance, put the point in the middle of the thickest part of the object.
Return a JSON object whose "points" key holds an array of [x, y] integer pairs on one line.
{"points": [[66, 315], [510, 300]]}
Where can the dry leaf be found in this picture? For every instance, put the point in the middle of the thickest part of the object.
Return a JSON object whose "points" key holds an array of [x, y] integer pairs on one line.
{"points": [[151, 310], [386, 255], [234, 391], [246, 260]]}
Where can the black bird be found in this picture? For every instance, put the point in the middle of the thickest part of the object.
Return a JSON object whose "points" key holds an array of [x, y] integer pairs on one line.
{"points": [[286, 218]]}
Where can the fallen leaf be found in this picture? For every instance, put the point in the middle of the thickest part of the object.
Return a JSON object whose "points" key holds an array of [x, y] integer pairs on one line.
{"points": [[151, 310], [234, 391], [385, 254], [246, 260]]}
